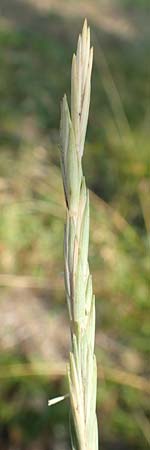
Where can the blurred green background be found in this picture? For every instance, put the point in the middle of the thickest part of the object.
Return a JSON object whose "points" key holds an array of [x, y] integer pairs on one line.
{"points": [[37, 39]]}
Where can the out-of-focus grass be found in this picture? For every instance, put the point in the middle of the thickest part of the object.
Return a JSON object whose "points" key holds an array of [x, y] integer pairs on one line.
{"points": [[33, 78], [139, 4]]}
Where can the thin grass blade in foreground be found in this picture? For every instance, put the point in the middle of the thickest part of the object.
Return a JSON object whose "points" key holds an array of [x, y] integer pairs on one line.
{"points": [[82, 373]]}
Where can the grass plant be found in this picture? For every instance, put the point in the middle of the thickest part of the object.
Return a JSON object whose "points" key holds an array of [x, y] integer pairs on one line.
{"points": [[82, 372], [32, 219]]}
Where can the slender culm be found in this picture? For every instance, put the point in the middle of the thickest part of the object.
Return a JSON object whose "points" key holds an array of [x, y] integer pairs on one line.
{"points": [[82, 373]]}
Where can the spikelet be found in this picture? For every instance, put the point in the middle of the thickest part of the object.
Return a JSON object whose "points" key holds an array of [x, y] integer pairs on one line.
{"points": [[82, 373]]}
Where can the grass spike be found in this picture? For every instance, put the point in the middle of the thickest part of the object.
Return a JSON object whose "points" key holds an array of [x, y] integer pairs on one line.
{"points": [[82, 363]]}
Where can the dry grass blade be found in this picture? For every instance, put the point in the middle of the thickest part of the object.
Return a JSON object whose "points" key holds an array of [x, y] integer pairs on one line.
{"points": [[53, 371], [82, 372]]}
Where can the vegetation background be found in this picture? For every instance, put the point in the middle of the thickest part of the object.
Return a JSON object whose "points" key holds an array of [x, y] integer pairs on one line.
{"points": [[37, 39]]}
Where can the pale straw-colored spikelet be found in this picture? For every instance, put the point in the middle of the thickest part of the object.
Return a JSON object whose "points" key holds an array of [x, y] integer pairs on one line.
{"points": [[82, 373], [80, 87]]}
